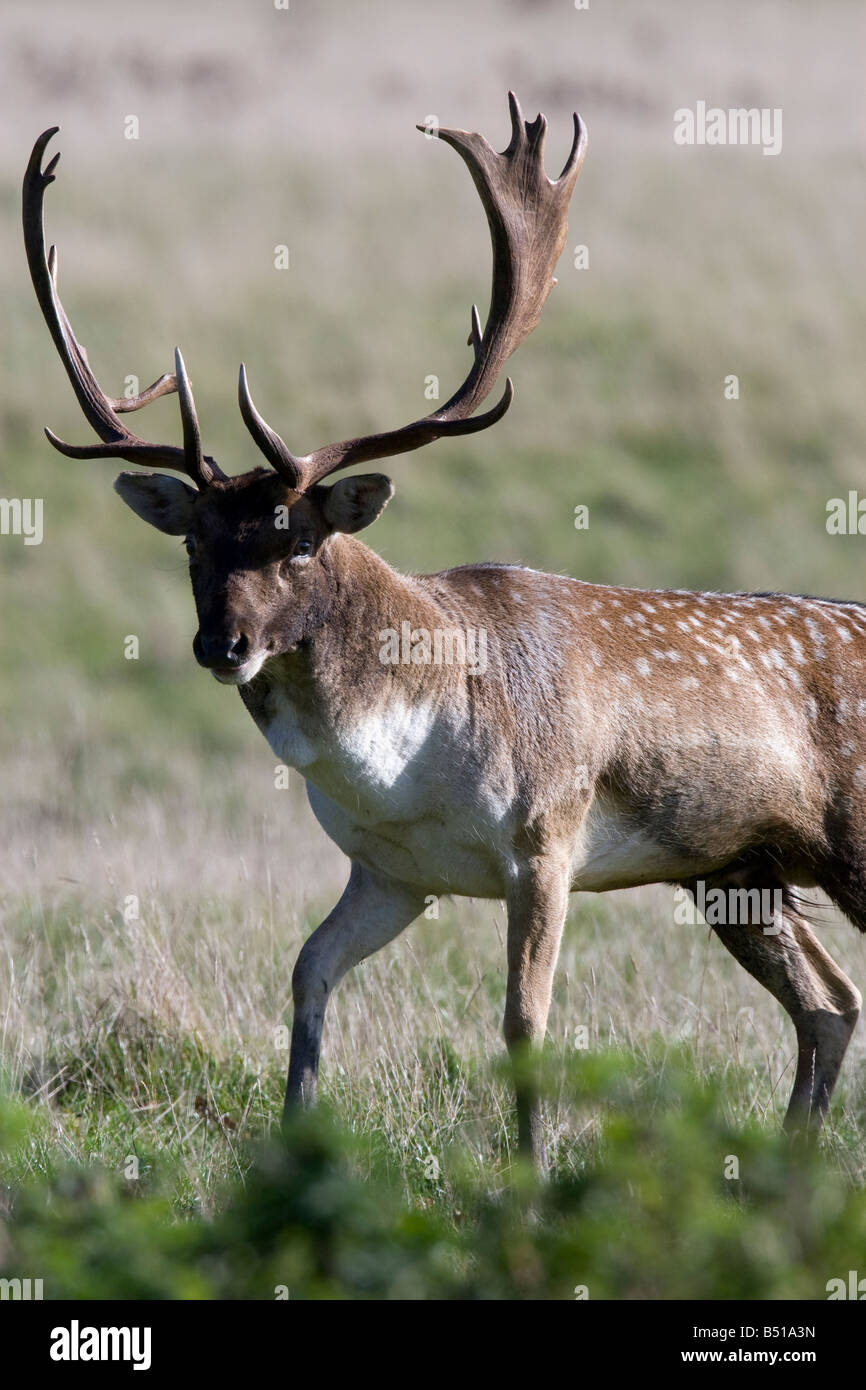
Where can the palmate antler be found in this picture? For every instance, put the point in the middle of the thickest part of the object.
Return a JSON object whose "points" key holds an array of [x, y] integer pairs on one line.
{"points": [[100, 410], [527, 215]]}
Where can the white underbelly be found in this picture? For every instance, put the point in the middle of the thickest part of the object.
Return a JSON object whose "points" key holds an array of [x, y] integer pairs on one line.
{"points": [[609, 852], [436, 854], [459, 856], [386, 792]]}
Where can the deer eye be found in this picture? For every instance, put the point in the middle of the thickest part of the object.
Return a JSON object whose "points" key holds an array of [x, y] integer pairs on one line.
{"points": [[302, 547]]}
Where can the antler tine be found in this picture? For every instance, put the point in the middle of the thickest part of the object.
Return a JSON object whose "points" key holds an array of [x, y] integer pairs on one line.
{"points": [[576, 154], [527, 217], [100, 411], [198, 467], [275, 451]]}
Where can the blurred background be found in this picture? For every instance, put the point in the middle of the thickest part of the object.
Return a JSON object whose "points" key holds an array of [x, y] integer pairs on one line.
{"points": [[145, 780]]}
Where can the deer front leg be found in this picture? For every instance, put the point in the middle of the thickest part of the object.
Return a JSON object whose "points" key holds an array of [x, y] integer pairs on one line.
{"points": [[371, 912], [537, 905]]}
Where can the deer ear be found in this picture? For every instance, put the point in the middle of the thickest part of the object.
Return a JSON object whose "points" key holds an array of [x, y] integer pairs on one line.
{"points": [[352, 503], [163, 502]]}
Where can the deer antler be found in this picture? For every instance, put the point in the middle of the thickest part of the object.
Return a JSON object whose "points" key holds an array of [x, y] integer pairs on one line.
{"points": [[100, 410], [527, 214]]}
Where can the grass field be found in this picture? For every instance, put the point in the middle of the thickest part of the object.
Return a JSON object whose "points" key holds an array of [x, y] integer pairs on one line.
{"points": [[154, 886]]}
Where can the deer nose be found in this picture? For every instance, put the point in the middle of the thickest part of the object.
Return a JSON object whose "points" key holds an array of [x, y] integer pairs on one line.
{"points": [[226, 649]]}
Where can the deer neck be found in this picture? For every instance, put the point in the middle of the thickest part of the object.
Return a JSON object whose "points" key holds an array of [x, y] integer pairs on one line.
{"points": [[309, 703]]}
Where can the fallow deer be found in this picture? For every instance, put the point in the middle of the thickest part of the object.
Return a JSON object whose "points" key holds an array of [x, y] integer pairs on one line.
{"points": [[615, 737]]}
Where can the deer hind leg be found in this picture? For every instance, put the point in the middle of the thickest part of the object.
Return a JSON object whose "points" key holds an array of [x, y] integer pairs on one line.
{"points": [[537, 904], [786, 957], [371, 912]]}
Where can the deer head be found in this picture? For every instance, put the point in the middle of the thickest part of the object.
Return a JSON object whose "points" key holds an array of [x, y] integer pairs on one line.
{"points": [[259, 543]]}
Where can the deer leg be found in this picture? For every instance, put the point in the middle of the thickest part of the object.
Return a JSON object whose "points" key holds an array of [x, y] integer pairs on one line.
{"points": [[371, 912], [824, 1005], [830, 1007], [537, 904]]}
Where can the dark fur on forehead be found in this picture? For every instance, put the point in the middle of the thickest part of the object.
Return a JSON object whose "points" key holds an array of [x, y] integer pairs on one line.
{"points": [[259, 485], [249, 496], [263, 485], [238, 515]]}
